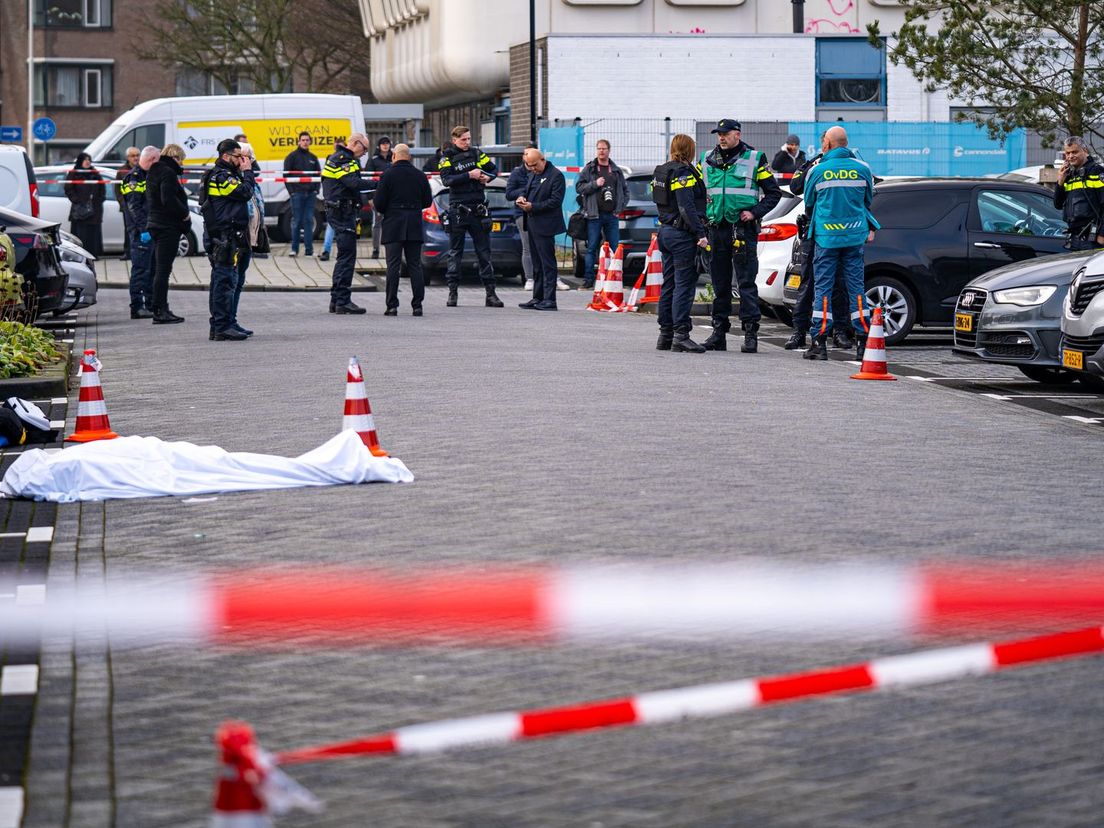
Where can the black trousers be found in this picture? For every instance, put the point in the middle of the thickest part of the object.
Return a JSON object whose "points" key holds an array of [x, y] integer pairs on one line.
{"points": [[345, 240], [468, 221], [722, 263], [412, 252], [545, 272], [165, 245], [803, 310]]}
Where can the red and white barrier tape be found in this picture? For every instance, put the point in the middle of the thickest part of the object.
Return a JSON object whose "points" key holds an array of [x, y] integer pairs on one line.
{"points": [[709, 700], [297, 179], [573, 603]]}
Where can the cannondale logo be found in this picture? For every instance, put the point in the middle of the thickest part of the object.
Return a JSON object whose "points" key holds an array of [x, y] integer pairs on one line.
{"points": [[191, 143]]}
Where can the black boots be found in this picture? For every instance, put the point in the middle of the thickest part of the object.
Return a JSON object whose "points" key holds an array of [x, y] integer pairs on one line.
{"points": [[683, 344], [452, 297], [751, 338], [492, 298], [796, 341], [843, 339], [860, 347], [665, 339], [164, 316], [818, 349], [348, 308], [717, 340]]}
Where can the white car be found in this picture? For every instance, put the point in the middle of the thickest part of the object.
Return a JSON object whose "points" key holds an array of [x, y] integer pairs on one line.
{"points": [[776, 237], [54, 206], [80, 292]]}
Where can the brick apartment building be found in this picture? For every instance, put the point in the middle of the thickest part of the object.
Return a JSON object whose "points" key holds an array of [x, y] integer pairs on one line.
{"points": [[87, 72]]}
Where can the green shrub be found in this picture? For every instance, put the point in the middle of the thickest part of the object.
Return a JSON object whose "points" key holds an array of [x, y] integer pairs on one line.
{"points": [[24, 349]]}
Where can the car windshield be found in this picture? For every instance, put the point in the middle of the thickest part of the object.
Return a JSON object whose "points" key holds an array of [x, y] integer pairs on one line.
{"points": [[496, 198], [52, 184], [785, 204]]}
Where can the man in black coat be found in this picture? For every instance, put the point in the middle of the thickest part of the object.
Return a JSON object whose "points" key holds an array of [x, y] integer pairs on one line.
{"points": [[402, 194], [543, 208]]}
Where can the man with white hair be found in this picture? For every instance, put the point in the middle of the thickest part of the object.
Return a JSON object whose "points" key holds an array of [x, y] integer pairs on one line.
{"points": [[341, 189], [132, 197]]}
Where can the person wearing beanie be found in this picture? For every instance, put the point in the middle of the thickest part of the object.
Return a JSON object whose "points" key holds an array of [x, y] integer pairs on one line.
{"points": [[790, 158]]}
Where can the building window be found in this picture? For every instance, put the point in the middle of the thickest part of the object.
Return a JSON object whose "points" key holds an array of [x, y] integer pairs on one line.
{"points": [[72, 14], [850, 73], [61, 85], [191, 82]]}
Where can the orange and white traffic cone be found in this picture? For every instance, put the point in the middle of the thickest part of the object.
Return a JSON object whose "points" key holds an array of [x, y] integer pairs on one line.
{"points": [[92, 422], [238, 802], [614, 296], [358, 412], [596, 302], [653, 270], [634, 295], [874, 357]]}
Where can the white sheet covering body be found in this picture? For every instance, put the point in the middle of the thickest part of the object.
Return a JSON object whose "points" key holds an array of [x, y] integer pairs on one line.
{"points": [[149, 467]]}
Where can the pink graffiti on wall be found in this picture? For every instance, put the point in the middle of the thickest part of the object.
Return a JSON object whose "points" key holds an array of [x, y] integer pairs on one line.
{"points": [[832, 17]]}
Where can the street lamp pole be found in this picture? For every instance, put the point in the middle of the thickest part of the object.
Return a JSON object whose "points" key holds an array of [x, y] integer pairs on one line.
{"points": [[30, 79], [533, 71]]}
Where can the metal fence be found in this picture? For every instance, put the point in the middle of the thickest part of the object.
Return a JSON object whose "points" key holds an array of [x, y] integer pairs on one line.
{"points": [[642, 143]]}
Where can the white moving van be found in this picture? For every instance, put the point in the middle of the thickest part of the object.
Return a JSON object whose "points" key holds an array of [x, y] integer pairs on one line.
{"points": [[271, 124]]}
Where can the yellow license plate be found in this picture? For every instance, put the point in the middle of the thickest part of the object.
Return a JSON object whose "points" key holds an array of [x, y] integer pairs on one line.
{"points": [[1073, 359], [496, 226], [793, 281], [964, 322]]}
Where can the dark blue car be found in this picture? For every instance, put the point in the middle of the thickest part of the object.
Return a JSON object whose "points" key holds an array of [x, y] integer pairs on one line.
{"points": [[505, 238]]}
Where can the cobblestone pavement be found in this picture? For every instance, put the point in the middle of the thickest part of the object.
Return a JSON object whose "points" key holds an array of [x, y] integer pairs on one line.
{"points": [[556, 438]]}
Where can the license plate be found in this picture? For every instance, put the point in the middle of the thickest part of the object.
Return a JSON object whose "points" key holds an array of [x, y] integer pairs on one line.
{"points": [[496, 226], [1073, 359], [964, 322], [793, 281]]}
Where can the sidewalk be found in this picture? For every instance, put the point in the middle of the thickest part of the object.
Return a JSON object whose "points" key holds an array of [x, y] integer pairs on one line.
{"points": [[277, 272]]}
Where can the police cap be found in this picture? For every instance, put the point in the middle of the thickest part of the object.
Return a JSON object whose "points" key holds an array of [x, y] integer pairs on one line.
{"points": [[726, 125]]}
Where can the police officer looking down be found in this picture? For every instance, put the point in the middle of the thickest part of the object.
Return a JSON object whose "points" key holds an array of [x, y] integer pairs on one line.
{"points": [[465, 170], [740, 190], [224, 201], [1080, 195], [136, 212], [341, 194], [679, 193]]}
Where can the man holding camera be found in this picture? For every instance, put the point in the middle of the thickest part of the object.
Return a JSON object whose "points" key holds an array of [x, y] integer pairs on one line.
{"points": [[740, 190]]}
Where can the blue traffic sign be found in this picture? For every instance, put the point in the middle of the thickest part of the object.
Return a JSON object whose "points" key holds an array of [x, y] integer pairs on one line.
{"points": [[44, 129], [11, 134]]}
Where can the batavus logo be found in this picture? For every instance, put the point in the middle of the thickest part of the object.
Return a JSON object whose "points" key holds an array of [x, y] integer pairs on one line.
{"points": [[190, 142]]}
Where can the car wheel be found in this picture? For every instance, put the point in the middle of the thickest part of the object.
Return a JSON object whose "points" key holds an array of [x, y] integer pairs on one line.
{"points": [[1092, 382], [1047, 376], [899, 305], [187, 245]]}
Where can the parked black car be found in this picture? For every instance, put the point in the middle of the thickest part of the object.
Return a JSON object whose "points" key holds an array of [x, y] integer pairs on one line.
{"points": [[37, 260], [939, 234], [505, 238]]}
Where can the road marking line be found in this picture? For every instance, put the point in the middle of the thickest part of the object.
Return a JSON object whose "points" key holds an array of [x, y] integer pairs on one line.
{"points": [[58, 400], [1085, 420], [30, 595], [921, 379], [58, 424], [996, 396], [13, 534], [40, 534], [11, 807], [19, 680]]}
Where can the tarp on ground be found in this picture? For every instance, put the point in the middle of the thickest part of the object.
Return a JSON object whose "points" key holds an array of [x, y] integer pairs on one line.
{"points": [[148, 467]]}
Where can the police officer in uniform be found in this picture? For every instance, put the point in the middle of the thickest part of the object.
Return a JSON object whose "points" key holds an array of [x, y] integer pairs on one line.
{"points": [[136, 211], [465, 170], [741, 190], [679, 193], [225, 197], [341, 192], [1080, 195], [803, 309]]}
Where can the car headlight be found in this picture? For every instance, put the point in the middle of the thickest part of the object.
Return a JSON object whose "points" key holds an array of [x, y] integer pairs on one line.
{"points": [[1025, 297], [71, 256]]}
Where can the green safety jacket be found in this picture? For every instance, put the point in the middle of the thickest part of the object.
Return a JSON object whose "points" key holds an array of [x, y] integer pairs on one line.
{"points": [[735, 185]]}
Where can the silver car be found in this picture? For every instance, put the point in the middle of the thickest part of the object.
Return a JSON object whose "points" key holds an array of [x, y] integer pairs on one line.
{"points": [[1013, 316], [1082, 343], [81, 290]]}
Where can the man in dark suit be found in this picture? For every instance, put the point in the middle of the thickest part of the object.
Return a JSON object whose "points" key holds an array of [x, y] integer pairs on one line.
{"points": [[542, 205], [402, 194]]}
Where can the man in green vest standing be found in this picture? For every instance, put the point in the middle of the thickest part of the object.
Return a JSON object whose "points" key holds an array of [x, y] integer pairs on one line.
{"points": [[740, 190]]}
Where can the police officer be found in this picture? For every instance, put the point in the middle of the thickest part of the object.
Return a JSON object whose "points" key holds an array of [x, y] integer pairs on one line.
{"points": [[1080, 195], [803, 310], [740, 190], [341, 192], [679, 193], [465, 170], [225, 196], [136, 211]]}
